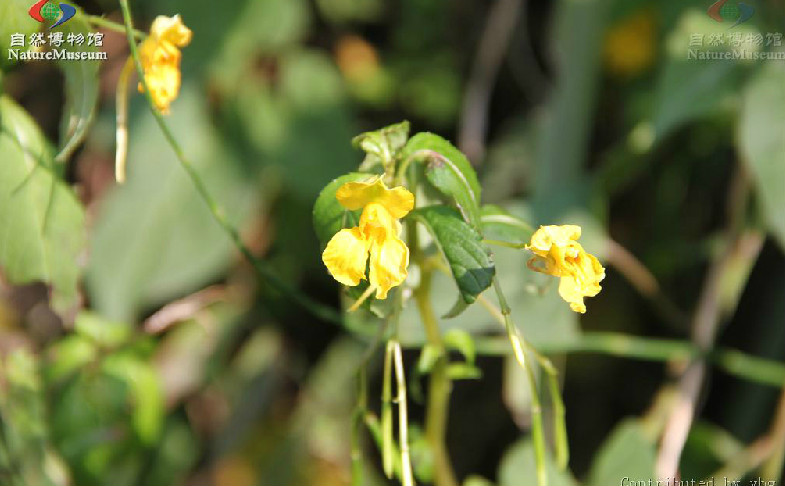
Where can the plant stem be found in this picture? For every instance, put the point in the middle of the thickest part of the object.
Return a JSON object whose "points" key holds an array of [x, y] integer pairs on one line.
{"points": [[111, 25], [439, 388], [357, 423], [505, 244], [403, 422], [317, 309], [387, 424], [538, 437], [731, 361]]}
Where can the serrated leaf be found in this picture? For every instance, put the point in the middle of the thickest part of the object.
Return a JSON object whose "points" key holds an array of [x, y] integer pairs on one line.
{"points": [[762, 141], [461, 341], [383, 144], [81, 89], [329, 217], [499, 224], [449, 171], [41, 221], [626, 453], [471, 264]]}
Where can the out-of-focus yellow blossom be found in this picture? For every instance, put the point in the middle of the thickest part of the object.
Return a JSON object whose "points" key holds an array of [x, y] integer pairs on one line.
{"points": [[558, 253], [377, 237], [630, 46], [160, 55]]}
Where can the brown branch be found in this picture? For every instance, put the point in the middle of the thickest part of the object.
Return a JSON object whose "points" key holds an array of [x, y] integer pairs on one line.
{"points": [[644, 282], [742, 247], [493, 45]]}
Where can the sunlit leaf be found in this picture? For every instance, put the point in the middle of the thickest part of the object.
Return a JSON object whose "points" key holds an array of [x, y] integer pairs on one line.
{"points": [[449, 171], [329, 216], [762, 141], [81, 88], [470, 263], [15, 20], [41, 221], [154, 238]]}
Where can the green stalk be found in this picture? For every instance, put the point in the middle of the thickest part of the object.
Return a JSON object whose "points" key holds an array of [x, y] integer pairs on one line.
{"points": [[387, 424], [437, 410], [357, 426], [111, 25], [407, 478], [317, 309], [731, 361], [538, 437]]}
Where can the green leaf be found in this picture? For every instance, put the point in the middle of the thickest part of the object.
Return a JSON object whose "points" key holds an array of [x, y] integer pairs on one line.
{"points": [[449, 171], [689, 89], [81, 89], [41, 221], [23, 419], [104, 333], [471, 264], [463, 371], [154, 238], [144, 392], [518, 468], [762, 142], [461, 341], [382, 145], [14, 19], [329, 217], [429, 355], [499, 224], [626, 453]]}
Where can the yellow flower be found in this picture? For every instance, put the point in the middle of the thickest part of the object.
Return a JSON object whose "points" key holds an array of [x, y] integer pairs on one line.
{"points": [[557, 249], [376, 237], [630, 47], [160, 55]]}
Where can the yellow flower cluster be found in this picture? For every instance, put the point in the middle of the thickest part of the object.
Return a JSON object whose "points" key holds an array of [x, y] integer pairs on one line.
{"points": [[160, 56], [376, 239], [558, 253]]}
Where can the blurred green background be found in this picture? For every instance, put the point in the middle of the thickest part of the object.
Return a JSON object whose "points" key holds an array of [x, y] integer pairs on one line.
{"points": [[169, 364]]}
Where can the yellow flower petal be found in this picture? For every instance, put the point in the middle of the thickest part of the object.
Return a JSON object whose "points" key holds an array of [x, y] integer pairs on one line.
{"points": [[355, 195], [377, 224], [558, 253], [171, 29], [570, 291], [547, 236], [164, 83], [160, 58], [389, 261], [345, 256]]}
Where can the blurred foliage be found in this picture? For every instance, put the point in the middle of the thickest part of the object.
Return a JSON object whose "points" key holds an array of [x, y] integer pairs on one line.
{"points": [[152, 355]]}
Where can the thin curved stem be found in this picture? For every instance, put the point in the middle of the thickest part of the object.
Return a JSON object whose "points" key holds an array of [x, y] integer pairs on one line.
{"points": [[111, 25], [317, 309], [538, 437], [505, 244]]}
